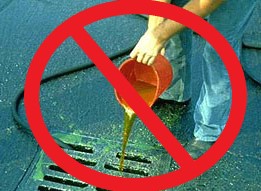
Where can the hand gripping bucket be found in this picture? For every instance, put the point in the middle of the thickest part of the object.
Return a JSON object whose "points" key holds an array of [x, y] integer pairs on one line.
{"points": [[149, 81]]}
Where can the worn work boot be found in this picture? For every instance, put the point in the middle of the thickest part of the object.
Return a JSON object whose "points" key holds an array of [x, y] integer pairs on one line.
{"points": [[196, 148]]}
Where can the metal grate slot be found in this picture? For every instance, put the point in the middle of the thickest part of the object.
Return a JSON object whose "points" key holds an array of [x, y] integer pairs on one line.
{"points": [[100, 189], [127, 169], [47, 188], [56, 168], [82, 161], [86, 162], [133, 157], [81, 148], [65, 181]]}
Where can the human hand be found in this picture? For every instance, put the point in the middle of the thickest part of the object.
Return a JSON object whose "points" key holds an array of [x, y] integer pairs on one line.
{"points": [[148, 48]]}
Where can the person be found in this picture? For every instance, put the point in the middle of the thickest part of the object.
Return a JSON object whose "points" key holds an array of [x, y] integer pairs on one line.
{"points": [[166, 36]]}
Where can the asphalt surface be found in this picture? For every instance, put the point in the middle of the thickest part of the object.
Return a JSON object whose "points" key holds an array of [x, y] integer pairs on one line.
{"points": [[84, 104]]}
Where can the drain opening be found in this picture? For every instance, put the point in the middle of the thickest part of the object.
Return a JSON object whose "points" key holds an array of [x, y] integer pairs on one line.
{"points": [[47, 188], [65, 181], [133, 157], [56, 168], [82, 161], [100, 189], [86, 162], [81, 148], [127, 169]]}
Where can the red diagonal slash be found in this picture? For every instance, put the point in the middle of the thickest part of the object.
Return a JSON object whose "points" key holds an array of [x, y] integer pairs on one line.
{"points": [[120, 83]]}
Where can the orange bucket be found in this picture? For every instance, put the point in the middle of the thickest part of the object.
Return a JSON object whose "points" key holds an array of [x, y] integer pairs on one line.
{"points": [[149, 81]]}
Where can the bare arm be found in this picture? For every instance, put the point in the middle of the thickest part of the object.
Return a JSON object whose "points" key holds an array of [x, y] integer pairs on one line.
{"points": [[202, 8], [154, 21], [153, 41]]}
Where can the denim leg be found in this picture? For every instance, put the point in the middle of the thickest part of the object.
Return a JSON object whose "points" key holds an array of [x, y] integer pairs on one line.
{"points": [[178, 52], [213, 105]]}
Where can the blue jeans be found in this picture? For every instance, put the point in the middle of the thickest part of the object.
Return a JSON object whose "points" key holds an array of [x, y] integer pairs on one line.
{"points": [[213, 106]]}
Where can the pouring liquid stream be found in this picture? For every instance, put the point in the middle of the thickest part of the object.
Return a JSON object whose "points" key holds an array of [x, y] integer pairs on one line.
{"points": [[147, 92]]}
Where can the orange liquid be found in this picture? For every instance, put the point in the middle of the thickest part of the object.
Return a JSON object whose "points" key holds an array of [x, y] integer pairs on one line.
{"points": [[129, 118], [147, 92]]}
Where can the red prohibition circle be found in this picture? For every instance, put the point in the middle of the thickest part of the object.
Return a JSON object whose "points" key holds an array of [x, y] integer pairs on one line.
{"points": [[189, 168]]}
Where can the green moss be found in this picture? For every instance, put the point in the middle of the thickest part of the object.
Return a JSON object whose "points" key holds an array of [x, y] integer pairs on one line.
{"points": [[39, 175], [61, 117], [72, 126], [69, 138]]}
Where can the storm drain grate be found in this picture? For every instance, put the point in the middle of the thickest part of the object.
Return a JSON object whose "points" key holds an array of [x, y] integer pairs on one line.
{"points": [[98, 154]]}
